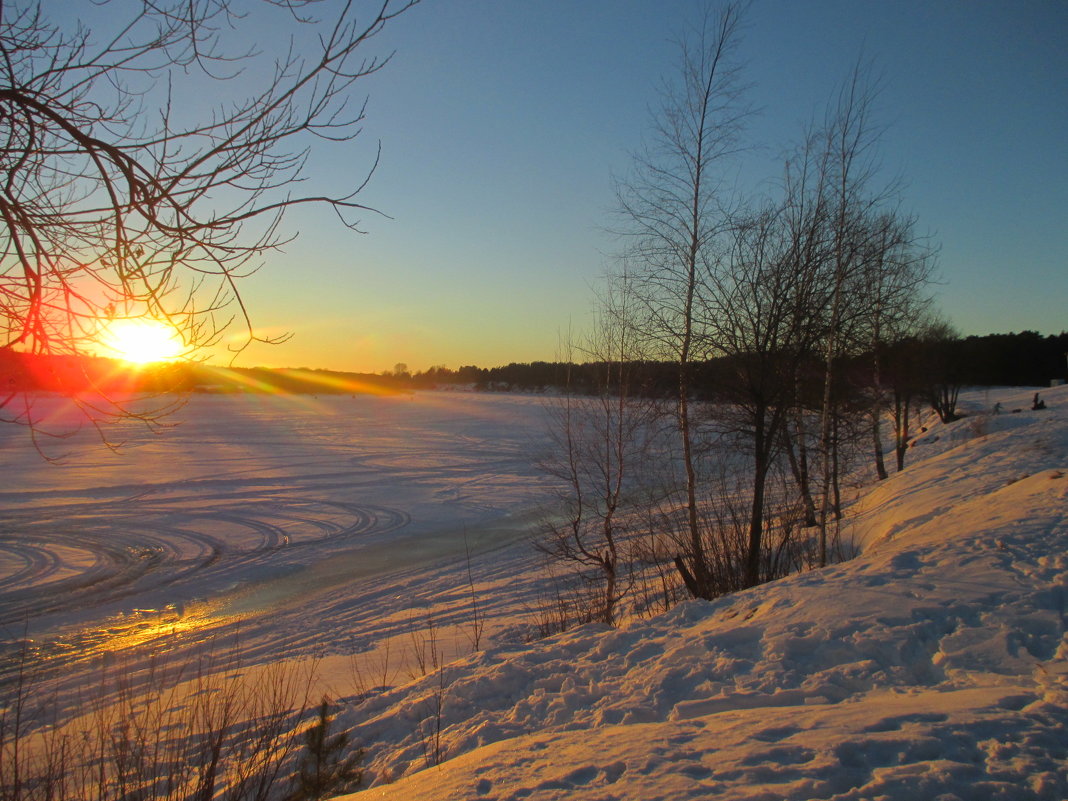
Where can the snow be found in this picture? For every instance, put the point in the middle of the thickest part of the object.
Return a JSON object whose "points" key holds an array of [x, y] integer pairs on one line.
{"points": [[931, 666], [278, 517]]}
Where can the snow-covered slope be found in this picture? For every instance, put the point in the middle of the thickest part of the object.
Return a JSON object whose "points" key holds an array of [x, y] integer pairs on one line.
{"points": [[932, 666]]}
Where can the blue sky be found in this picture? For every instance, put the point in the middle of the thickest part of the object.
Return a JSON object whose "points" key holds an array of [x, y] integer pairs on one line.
{"points": [[503, 122]]}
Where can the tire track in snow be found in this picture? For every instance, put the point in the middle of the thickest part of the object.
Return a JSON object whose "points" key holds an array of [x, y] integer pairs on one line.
{"points": [[90, 553]]}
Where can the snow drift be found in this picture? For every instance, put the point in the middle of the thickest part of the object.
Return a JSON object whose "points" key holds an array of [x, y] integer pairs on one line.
{"points": [[931, 666]]}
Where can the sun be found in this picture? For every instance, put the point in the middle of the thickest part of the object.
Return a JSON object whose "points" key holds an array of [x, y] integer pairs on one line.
{"points": [[141, 341]]}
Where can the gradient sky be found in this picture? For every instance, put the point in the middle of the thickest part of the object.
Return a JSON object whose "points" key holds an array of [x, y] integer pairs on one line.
{"points": [[503, 122]]}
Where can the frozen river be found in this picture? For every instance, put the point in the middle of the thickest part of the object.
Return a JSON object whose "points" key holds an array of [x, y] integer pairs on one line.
{"points": [[277, 512]]}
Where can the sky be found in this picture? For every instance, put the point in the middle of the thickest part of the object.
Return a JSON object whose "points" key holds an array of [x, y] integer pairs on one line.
{"points": [[503, 124]]}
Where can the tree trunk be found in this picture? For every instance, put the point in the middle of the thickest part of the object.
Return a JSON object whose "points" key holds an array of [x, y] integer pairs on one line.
{"points": [[798, 458], [699, 574], [610, 590], [877, 443], [836, 478], [761, 465], [877, 408], [901, 428]]}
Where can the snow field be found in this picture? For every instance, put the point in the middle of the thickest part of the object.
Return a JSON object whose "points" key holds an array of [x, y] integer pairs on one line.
{"points": [[278, 517], [933, 666]]}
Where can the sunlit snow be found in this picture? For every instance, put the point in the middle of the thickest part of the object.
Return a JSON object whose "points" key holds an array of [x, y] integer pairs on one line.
{"points": [[931, 666]]}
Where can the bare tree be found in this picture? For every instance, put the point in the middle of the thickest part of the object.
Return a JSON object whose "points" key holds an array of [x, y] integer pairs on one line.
{"points": [[897, 271], [124, 193], [807, 277], [783, 293], [850, 136], [674, 209], [603, 442], [900, 366], [759, 308], [865, 268], [939, 355], [805, 211]]}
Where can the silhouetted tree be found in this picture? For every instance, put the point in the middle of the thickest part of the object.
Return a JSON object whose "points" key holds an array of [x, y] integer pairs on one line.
{"points": [[758, 308], [125, 193], [897, 274], [602, 439], [674, 211], [939, 350]]}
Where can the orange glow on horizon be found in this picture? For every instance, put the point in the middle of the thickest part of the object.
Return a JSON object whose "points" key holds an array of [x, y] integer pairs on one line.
{"points": [[330, 384]]}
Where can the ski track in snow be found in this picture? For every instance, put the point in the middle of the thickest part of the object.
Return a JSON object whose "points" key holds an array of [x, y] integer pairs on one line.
{"points": [[116, 551], [243, 491]]}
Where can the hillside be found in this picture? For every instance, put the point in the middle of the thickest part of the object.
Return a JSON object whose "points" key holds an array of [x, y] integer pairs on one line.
{"points": [[933, 665]]}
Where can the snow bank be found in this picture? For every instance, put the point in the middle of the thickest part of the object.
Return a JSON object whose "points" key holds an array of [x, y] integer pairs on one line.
{"points": [[931, 666]]}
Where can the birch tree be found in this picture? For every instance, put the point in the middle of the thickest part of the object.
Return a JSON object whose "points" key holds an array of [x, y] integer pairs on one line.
{"points": [[675, 210]]}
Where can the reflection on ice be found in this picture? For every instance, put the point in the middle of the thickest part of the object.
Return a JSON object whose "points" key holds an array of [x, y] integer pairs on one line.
{"points": [[143, 627]]}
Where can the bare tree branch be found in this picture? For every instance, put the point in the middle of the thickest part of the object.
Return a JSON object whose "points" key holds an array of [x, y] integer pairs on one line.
{"points": [[123, 194]]}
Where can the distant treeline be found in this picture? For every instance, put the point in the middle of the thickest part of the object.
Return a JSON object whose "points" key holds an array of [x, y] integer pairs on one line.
{"points": [[1023, 359], [1026, 359]]}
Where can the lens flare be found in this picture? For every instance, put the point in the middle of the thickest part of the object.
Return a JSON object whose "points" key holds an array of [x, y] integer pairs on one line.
{"points": [[141, 341]]}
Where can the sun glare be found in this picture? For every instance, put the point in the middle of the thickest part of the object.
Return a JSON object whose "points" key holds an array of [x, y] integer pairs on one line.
{"points": [[141, 341]]}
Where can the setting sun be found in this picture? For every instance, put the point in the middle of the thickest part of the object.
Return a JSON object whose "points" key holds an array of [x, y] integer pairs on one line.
{"points": [[141, 341]]}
